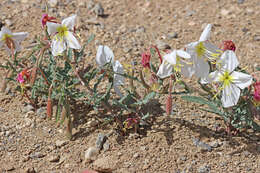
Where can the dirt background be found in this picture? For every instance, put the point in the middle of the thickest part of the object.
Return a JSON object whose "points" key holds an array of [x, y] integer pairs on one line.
{"points": [[185, 142]]}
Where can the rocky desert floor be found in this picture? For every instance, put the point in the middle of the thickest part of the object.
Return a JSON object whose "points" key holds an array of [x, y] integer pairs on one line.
{"points": [[185, 142]]}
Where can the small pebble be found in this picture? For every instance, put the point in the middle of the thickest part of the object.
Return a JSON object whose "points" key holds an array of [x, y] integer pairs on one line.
{"points": [[172, 35], [54, 158], [101, 139], [257, 38], [240, 1], [204, 169], [60, 143], [91, 154], [99, 10]]}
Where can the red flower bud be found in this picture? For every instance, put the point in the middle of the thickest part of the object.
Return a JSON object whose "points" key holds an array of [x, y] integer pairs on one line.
{"points": [[228, 45], [257, 91], [146, 59]]}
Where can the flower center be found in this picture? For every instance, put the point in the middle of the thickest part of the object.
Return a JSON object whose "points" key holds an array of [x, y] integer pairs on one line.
{"points": [[200, 49], [8, 41], [226, 79], [62, 31], [177, 66]]}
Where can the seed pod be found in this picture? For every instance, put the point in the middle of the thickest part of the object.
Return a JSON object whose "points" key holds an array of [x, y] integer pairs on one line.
{"points": [[33, 75], [168, 105], [49, 103], [68, 128], [49, 108], [63, 114]]}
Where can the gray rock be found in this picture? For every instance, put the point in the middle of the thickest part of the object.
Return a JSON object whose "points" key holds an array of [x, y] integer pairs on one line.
{"points": [[27, 108], [172, 35], [215, 144], [127, 49], [53, 3], [60, 143], [204, 169], [106, 146], [105, 164], [37, 155], [240, 1], [90, 4], [162, 45], [140, 29], [135, 155], [98, 9], [101, 139], [257, 38], [223, 164], [203, 146], [183, 158], [91, 154], [190, 13], [41, 112], [54, 158]]}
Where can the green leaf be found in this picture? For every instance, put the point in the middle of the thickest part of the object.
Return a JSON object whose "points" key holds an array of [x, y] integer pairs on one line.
{"points": [[98, 82], [257, 68], [146, 99], [200, 100]]}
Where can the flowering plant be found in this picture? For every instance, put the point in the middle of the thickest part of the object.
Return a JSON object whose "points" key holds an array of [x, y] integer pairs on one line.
{"points": [[55, 74]]}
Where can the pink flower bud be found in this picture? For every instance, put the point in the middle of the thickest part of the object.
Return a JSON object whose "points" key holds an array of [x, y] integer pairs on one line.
{"points": [[146, 59], [46, 18], [257, 91]]}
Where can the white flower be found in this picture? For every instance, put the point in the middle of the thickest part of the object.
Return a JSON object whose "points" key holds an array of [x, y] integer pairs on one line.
{"points": [[232, 81], [11, 40], [63, 37], [118, 79], [174, 61], [105, 55], [201, 51], [228, 60]]}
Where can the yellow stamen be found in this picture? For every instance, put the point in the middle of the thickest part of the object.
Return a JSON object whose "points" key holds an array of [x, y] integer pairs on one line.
{"points": [[200, 49], [8, 41], [226, 79], [62, 32]]}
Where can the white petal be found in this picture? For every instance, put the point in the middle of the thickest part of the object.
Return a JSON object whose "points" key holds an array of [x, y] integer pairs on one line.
{"points": [[228, 61], [187, 70], [183, 54], [171, 57], [241, 80], [118, 92], [69, 22], [7, 49], [202, 68], [72, 41], [18, 47], [206, 33], [118, 79], [118, 67], [52, 27], [57, 46], [5, 30], [212, 77], [104, 55], [230, 95], [165, 70], [20, 36]]}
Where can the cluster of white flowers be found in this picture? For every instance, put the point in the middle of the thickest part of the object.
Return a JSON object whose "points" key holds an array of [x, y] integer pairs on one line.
{"points": [[193, 60], [198, 55]]}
